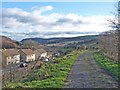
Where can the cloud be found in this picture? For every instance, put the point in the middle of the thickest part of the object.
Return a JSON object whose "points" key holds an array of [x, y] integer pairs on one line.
{"points": [[67, 21], [19, 23], [8, 12], [38, 10], [43, 8]]}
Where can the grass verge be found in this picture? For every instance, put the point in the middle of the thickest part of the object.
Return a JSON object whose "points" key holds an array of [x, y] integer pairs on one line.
{"points": [[53, 73], [110, 65]]}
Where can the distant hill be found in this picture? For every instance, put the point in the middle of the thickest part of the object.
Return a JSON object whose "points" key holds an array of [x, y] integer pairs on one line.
{"points": [[7, 43], [31, 44], [40, 42], [62, 40]]}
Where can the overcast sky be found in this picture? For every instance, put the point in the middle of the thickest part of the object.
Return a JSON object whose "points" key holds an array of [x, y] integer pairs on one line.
{"points": [[55, 19]]}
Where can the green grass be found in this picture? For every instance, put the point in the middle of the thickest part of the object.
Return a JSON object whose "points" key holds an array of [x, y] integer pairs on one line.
{"points": [[51, 75], [107, 63], [64, 51]]}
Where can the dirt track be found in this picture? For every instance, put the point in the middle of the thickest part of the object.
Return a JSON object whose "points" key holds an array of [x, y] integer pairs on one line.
{"points": [[86, 73]]}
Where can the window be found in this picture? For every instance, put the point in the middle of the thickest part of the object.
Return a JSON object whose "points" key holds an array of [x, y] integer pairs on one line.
{"points": [[7, 57], [8, 63]]}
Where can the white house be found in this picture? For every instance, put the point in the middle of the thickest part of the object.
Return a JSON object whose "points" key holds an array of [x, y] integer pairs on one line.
{"points": [[43, 55], [10, 56], [40, 54], [27, 55]]}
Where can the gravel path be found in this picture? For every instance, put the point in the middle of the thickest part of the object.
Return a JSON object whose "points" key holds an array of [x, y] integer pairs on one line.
{"points": [[85, 73]]}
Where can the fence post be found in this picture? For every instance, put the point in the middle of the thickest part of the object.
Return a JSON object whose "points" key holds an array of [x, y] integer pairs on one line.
{"points": [[10, 74]]}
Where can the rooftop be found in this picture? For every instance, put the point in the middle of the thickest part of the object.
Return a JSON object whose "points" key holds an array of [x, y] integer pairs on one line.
{"points": [[10, 52], [27, 51]]}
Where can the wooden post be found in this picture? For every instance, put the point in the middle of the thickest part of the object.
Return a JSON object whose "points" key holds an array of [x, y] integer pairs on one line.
{"points": [[10, 73]]}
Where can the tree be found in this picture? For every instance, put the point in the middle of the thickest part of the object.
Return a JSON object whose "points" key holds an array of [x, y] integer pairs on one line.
{"points": [[109, 42], [115, 24]]}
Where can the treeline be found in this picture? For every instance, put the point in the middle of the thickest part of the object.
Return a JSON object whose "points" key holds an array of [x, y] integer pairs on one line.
{"points": [[108, 43]]}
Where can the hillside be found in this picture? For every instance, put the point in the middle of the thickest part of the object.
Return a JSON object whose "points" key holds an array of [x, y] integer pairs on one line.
{"points": [[62, 40], [8, 43], [40, 42], [31, 44]]}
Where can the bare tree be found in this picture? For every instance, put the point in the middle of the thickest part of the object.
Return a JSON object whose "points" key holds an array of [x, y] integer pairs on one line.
{"points": [[109, 41]]}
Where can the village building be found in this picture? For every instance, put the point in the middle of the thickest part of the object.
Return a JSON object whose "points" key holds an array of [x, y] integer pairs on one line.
{"points": [[40, 53], [49, 55], [10, 56], [26, 55], [56, 54]]}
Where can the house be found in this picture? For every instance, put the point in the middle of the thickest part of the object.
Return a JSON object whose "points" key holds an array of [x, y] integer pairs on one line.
{"points": [[40, 53], [49, 55], [56, 54], [26, 55], [10, 56]]}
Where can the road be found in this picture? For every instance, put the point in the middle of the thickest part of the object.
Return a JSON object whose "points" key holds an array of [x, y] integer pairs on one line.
{"points": [[86, 73]]}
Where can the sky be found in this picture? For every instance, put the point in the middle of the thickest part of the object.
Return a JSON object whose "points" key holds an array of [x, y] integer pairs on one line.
{"points": [[55, 19]]}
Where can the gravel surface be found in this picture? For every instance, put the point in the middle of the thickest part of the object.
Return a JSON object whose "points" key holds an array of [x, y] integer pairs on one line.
{"points": [[86, 73]]}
